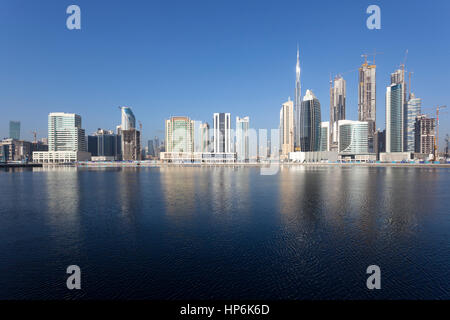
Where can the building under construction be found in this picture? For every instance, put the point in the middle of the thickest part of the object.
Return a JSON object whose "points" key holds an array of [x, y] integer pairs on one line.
{"points": [[425, 138]]}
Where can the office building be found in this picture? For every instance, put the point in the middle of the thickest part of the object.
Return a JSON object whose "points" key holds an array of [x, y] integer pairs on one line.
{"points": [[395, 109], [413, 110], [179, 134], [424, 132], [337, 110], [310, 123], [222, 133], [379, 142], [128, 119], [353, 137], [287, 129], [242, 139], [14, 130], [324, 136], [66, 140], [105, 145], [367, 98]]}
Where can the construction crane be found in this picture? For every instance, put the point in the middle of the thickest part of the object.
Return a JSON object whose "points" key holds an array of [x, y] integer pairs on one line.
{"points": [[34, 133]]}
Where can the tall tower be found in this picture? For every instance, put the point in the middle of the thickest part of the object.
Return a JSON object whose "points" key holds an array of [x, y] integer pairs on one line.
{"points": [[297, 103], [395, 112], [367, 98], [287, 129], [222, 132], [337, 109], [310, 123]]}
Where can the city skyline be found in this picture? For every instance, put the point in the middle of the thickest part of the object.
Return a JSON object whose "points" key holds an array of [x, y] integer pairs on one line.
{"points": [[230, 66]]}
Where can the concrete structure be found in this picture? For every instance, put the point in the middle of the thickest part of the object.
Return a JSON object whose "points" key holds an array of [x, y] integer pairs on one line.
{"points": [[367, 98], [14, 130], [311, 157], [222, 132], [337, 110], [131, 145], [396, 156], [353, 137], [413, 110], [179, 134], [242, 139], [395, 112], [17, 150], [324, 136], [310, 123], [286, 129], [424, 135], [55, 157]]}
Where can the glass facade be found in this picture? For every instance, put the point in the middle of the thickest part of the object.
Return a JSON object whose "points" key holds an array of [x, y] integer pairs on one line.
{"points": [[14, 130], [310, 123], [353, 137], [412, 111]]}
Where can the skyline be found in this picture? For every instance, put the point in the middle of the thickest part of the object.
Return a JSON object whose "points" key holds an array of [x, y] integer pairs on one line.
{"points": [[91, 77]]}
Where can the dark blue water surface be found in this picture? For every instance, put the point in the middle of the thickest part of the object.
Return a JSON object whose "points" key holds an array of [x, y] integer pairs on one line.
{"points": [[225, 233]]}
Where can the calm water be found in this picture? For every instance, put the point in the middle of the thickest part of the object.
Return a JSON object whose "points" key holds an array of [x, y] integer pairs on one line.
{"points": [[222, 233]]}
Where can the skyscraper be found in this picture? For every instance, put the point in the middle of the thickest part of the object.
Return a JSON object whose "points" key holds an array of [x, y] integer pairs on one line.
{"points": [[204, 137], [65, 132], [395, 109], [297, 103], [310, 127], [287, 128], [424, 132], [179, 134], [367, 98], [324, 136], [242, 139], [353, 137], [104, 143], [222, 132], [128, 119], [413, 110], [337, 109], [14, 130]]}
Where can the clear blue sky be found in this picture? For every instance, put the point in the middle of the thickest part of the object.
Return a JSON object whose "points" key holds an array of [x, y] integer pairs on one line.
{"points": [[195, 58]]}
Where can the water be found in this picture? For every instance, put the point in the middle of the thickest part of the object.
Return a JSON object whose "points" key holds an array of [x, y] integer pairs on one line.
{"points": [[225, 233]]}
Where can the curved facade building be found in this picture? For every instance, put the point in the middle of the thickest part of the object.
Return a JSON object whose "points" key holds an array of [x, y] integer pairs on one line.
{"points": [[353, 137], [128, 119], [310, 123]]}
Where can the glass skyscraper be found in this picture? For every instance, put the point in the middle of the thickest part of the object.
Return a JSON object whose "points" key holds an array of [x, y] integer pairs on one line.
{"points": [[222, 132], [179, 134], [14, 130], [395, 113], [242, 139], [128, 119], [65, 132], [412, 111], [310, 127], [324, 136], [353, 137]]}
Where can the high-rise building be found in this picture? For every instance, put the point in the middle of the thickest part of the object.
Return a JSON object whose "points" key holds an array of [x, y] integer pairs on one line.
{"points": [[395, 112], [128, 119], [379, 142], [179, 134], [66, 140], [287, 128], [131, 144], [222, 132], [204, 138], [337, 109], [367, 96], [413, 110], [353, 137], [151, 148], [425, 138], [14, 130], [324, 136], [65, 132], [104, 143], [242, 139], [310, 123], [297, 103]]}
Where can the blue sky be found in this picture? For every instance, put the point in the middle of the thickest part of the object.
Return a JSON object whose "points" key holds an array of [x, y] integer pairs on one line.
{"points": [[195, 58]]}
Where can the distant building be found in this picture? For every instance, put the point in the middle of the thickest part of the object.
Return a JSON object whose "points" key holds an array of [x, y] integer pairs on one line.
{"points": [[412, 111], [151, 148], [297, 103], [14, 130], [324, 136], [353, 137], [242, 139], [395, 106], [310, 124], [179, 134], [128, 119], [222, 133], [131, 145], [204, 138], [425, 138], [104, 143], [18, 150], [337, 110], [66, 140], [287, 129]]}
